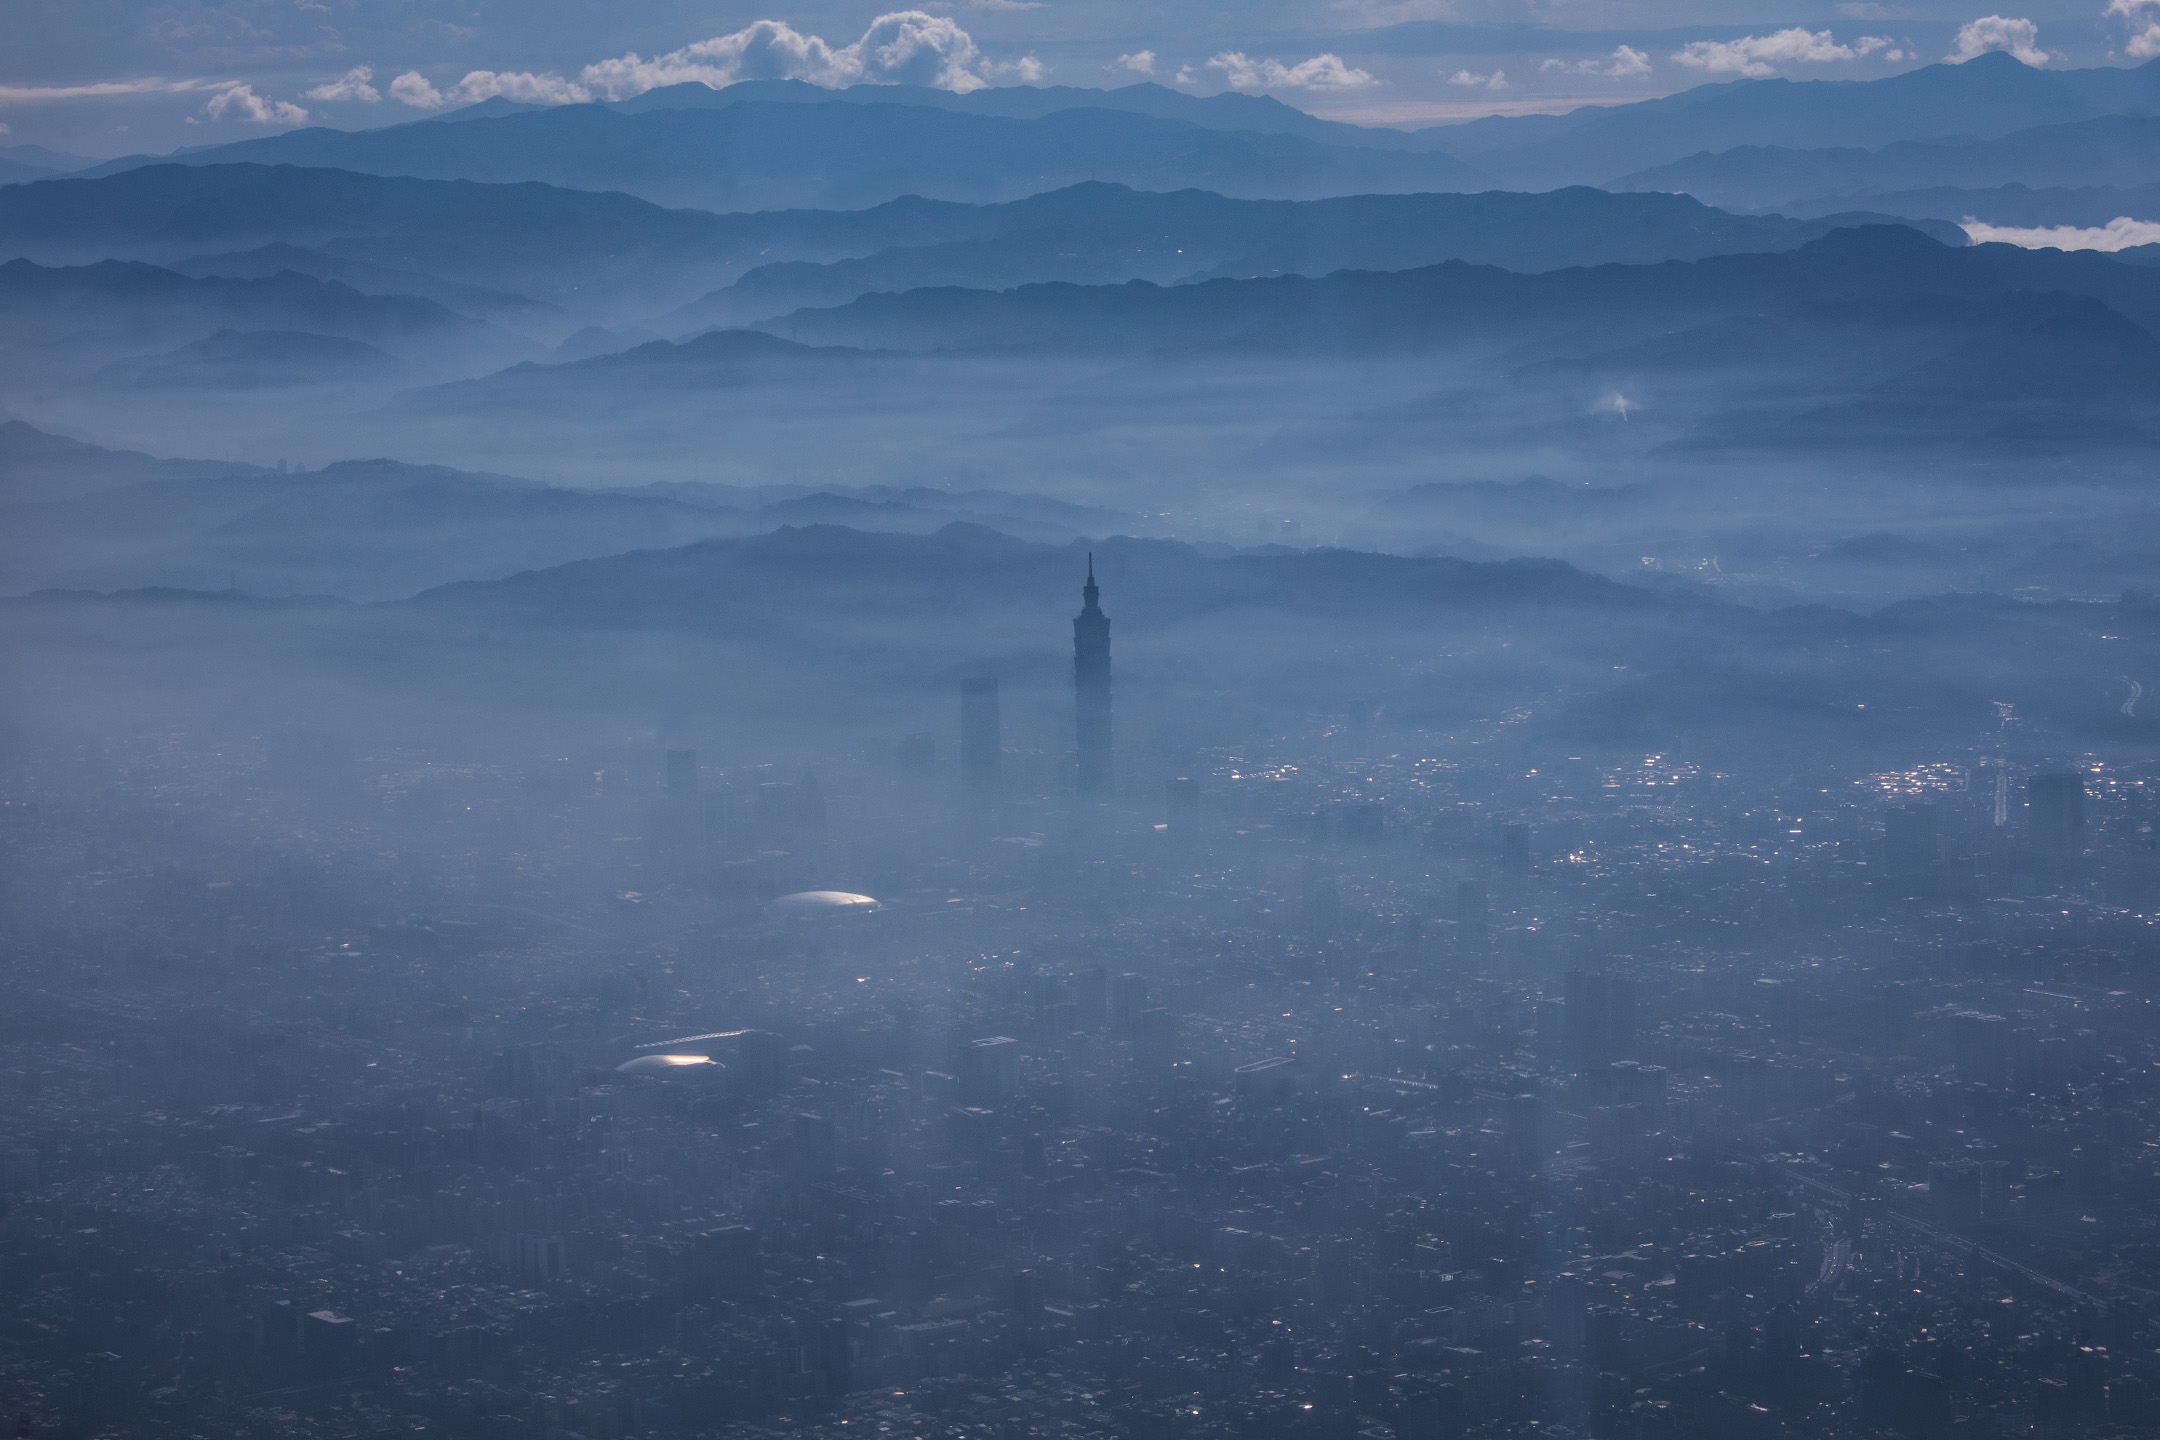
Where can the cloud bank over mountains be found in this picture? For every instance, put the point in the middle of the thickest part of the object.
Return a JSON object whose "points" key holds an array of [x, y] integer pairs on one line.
{"points": [[1408, 63], [904, 47]]}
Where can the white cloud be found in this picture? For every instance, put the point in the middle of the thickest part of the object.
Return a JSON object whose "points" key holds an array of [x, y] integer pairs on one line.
{"points": [[2144, 18], [2118, 234], [1998, 32], [1624, 63], [1470, 79], [1140, 62], [906, 47], [1759, 55], [102, 90], [523, 86], [240, 100], [1321, 72], [352, 85], [412, 88]]}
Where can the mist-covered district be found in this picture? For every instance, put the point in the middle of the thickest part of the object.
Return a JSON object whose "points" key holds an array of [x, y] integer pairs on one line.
{"points": [[1587, 867]]}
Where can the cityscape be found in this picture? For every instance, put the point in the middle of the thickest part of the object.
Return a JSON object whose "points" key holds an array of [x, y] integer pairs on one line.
{"points": [[1367, 1083], [1033, 720]]}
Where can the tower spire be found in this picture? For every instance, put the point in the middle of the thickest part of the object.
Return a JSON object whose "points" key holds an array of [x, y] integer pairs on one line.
{"points": [[1091, 693]]}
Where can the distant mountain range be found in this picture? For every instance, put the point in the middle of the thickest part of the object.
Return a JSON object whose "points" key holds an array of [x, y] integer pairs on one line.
{"points": [[520, 253], [1986, 98], [19, 163], [37, 466], [2114, 150], [54, 319], [73, 514], [252, 359], [1442, 306], [1230, 111], [1107, 234], [764, 155], [772, 144], [1986, 345]]}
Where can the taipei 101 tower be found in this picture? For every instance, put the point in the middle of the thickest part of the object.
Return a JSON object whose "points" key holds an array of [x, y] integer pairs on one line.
{"points": [[1091, 692]]}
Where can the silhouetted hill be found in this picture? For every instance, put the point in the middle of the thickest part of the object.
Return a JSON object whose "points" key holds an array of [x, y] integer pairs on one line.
{"points": [[2029, 371], [528, 238], [35, 466], [252, 359], [2003, 205], [93, 312], [715, 358], [76, 515], [766, 155], [479, 301], [1105, 234], [1445, 305], [1850, 318], [370, 528], [2114, 150], [807, 579], [1991, 96]]}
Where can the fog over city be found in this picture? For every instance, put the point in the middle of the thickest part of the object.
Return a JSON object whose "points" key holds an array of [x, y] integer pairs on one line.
{"points": [[1406, 721]]}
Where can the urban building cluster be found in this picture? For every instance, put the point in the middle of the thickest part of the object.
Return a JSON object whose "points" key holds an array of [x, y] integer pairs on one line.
{"points": [[1364, 1082]]}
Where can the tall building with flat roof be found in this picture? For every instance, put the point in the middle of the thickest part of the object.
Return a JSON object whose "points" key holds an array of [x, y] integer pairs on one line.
{"points": [[1097, 777]]}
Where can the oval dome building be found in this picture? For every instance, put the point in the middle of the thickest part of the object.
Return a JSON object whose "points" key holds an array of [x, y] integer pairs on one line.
{"points": [[821, 905]]}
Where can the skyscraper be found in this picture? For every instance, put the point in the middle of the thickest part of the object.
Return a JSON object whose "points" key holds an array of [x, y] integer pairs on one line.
{"points": [[1097, 779]]}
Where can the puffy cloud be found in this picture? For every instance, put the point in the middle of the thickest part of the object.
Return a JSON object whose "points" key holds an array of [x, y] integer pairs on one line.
{"points": [[1624, 63], [240, 100], [522, 86], [1140, 62], [2143, 17], [1759, 55], [906, 47], [412, 88], [1998, 32], [1321, 72], [2118, 234], [1470, 79], [352, 85]]}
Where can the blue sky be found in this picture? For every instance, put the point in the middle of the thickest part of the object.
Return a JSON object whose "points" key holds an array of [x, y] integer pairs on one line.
{"points": [[107, 77]]}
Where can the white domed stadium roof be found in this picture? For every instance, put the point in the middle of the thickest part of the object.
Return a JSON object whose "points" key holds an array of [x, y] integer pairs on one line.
{"points": [[811, 904], [666, 1064]]}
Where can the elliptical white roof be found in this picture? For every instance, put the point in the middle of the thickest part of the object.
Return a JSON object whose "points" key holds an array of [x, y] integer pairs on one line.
{"points": [[821, 902], [664, 1064]]}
